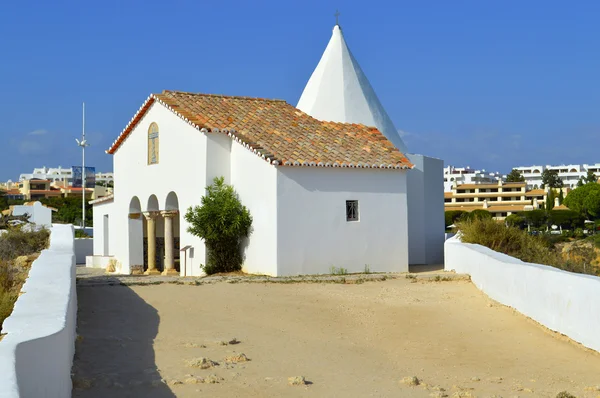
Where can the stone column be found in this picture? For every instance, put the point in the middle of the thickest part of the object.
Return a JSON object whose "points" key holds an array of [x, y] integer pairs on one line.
{"points": [[151, 219], [169, 243]]}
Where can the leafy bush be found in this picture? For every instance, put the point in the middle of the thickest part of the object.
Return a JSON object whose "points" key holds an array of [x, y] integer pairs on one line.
{"points": [[80, 233], [516, 220], [585, 200], [222, 222], [536, 218], [567, 233], [477, 214], [517, 243], [17, 242], [451, 216], [579, 233], [565, 218]]}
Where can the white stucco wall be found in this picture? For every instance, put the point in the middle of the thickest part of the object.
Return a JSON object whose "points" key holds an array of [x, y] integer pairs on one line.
{"points": [[38, 214], [181, 169], [37, 352], [83, 247], [425, 210], [255, 181], [101, 210], [562, 301], [312, 231]]}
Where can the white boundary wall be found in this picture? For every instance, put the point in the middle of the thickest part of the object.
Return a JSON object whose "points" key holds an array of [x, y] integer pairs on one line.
{"points": [[37, 352], [562, 301]]}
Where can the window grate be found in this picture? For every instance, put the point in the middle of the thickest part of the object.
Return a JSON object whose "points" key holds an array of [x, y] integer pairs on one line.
{"points": [[352, 210]]}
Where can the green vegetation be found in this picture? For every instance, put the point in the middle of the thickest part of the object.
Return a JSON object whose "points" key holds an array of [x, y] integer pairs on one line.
{"points": [[565, 394], [451, 216], [585, 200], [68, 209], [517, 243], [515, 176], [80, 233], [222, 222], [15, 243], [550, 179], [337, 271]]}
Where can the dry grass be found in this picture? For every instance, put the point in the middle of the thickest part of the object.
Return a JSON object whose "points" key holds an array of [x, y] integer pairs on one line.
{"points": [[517, 243], [13, 244]]}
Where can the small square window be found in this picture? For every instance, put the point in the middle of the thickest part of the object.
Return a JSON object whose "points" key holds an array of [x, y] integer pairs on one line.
{"points": [[352, 210]]}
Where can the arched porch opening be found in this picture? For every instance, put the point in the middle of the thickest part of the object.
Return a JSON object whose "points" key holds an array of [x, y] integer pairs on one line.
{"points": [[136, 236]]}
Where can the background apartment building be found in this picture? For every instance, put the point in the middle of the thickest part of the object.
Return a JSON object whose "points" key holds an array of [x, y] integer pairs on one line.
{"points": [[501, 199], [466, 175], [63, 175], [569, 174]]}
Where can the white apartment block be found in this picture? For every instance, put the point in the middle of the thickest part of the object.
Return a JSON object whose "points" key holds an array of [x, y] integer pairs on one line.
{"points": [[465, 175], [569, 174], [59, 174]]}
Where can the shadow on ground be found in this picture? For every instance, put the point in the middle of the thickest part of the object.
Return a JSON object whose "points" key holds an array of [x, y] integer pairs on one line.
{"points": [[415, 269], [114, 354]]}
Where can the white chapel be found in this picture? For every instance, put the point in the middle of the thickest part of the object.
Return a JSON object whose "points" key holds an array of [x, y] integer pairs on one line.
{"points": [[328, 183]]}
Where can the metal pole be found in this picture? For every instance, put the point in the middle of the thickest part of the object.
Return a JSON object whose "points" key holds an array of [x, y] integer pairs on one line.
{"points": [[83, 174]]}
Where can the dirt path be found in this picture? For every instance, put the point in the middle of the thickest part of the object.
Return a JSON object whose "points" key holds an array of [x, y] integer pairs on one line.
{"points": [[346, 340]]}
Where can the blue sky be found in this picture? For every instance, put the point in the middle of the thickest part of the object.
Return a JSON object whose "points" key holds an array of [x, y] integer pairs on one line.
{"points": [[489, 84]]}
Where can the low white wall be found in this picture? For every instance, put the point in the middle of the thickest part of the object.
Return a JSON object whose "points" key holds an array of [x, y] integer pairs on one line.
{"points": [[37, 352], [83, 247], [563, 301], [448, 235], [97, 261]]}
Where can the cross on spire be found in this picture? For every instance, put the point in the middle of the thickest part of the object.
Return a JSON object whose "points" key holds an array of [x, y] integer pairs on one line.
{"points": [[337, 15]]}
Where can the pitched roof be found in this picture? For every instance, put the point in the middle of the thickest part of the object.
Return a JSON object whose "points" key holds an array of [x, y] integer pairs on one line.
{"points": [[339, 90], [278, 132], [103, 199]]}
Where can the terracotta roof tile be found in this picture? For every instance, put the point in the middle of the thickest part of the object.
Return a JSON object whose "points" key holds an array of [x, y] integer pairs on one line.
{"points": [[278, 132]]}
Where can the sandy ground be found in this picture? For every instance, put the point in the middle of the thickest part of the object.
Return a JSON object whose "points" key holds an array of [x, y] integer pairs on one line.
{"points": [[356, 340]]}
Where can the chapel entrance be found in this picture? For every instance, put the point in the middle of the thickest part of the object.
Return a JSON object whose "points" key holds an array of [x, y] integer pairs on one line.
{"points": [[161, 237]]}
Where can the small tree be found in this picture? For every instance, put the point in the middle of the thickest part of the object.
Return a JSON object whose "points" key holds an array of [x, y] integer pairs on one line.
{"points": [[561, 197], [590, 178], [550, 179], [550, 200], [222, 222], [515, 176], [580, 182]]}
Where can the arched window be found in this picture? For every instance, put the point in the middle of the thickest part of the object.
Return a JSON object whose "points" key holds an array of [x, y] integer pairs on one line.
{"points": [[153, 144]]}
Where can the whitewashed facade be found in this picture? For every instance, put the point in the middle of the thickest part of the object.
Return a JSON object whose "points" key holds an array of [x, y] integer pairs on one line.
{"points": [[338, 90], [299, 213]]}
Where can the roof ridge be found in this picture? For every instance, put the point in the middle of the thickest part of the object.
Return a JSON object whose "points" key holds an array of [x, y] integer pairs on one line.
{"points": [[225, 96]]}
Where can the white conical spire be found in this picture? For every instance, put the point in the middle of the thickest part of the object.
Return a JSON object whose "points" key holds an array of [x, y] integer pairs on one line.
{"points": [[339, 91]]}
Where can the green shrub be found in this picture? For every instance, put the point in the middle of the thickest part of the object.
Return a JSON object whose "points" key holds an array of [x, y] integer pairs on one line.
{"points": [[516, 220], [579, 233], [535, 218], [17, 242], [451, 216], [565, 394], [337, 271], [222, 222], [477, 214], [11, 281], [80, 233], [567, 233]]}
